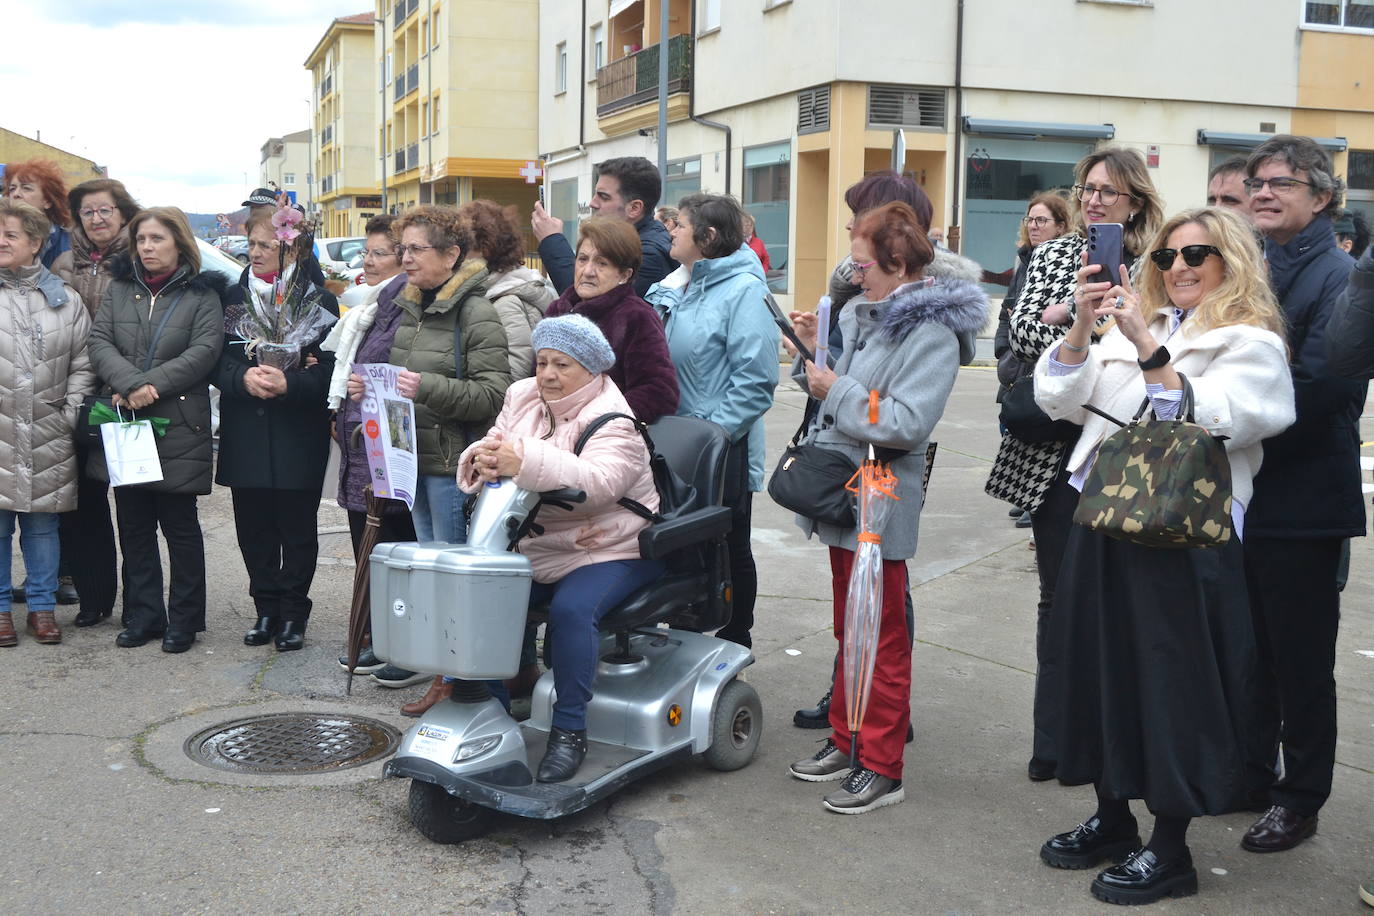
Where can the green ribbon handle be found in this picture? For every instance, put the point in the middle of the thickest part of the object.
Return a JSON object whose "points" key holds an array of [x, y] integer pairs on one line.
{"points": [[101, 413]]}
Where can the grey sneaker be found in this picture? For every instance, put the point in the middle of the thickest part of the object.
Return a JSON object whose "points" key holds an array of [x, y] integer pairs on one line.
{"points": [[863, 790], [826, 764]]}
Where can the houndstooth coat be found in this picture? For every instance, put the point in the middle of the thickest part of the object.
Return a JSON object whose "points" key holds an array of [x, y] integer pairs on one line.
{"points": [[1023, 471]]}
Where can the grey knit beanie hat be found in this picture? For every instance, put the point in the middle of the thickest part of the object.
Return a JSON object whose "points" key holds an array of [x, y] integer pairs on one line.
{"points": [[576, 336]]}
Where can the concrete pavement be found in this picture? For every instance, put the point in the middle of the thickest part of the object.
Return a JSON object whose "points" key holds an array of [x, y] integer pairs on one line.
{"points": [[103, 812]]}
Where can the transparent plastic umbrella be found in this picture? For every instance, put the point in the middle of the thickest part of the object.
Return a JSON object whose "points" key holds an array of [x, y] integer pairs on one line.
{"points": [[876, 488]]}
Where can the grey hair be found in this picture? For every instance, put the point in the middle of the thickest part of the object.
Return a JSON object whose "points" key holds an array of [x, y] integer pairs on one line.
{"points": [[1302, 154]]}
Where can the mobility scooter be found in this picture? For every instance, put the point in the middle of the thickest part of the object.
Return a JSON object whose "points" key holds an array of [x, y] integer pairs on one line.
{"points": [[662, 692]]}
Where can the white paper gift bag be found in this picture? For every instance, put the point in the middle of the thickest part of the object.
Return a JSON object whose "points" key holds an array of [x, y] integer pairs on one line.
{"points": [[130, 452]]}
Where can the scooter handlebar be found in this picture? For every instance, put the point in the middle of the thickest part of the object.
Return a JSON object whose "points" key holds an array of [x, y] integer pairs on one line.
{"points": [[563, 498]]}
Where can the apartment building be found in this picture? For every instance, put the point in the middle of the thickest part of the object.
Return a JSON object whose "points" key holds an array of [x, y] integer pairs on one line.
{"points": [[457, 106], [15, 147], [286, 163], [785, 103], [345, 125]]}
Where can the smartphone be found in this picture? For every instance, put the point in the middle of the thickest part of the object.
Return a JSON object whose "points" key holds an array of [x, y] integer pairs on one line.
{"points": [[1105, 252], [786, 327]]}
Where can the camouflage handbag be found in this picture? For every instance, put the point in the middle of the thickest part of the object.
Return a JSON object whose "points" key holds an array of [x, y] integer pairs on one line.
{"points": [[1159, 483]]}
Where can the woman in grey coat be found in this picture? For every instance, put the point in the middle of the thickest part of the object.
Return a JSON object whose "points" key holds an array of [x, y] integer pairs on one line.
{"points": [[155, 341], [44, 373], [902, 339]]}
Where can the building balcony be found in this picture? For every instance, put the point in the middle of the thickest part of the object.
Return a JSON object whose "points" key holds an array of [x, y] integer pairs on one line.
{"points": [[407, 82], [327, 136], [633, 80], [406, 159], [327, 185], [403, 10], [327, 86]]}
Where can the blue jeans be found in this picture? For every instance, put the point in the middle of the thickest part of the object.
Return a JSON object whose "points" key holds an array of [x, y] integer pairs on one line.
{"points": [[438, 509], [39, 541], [578, 602]]}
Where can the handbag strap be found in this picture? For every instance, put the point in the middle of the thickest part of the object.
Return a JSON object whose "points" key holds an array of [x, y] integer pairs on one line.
{"points": [[1185, 408]]}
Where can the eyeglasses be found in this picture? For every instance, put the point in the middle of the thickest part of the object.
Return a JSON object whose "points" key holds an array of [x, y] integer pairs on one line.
{"points": [[859, 267], [1280, 185], [1108, 196], [414, 250], [1193, 255], [375, 253], [90, 213], [1040, 222]]}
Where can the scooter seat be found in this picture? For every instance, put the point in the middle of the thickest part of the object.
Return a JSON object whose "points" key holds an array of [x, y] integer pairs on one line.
{"points": [[672, 594]]}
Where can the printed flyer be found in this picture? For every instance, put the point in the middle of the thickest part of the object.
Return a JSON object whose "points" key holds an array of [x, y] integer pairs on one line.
{"points": [[388, 433]]}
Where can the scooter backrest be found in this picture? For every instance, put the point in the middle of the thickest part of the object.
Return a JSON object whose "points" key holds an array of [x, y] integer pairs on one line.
{"points": [[695, 449]]}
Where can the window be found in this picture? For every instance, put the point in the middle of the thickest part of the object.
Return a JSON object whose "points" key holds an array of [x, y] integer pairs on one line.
{"points": [[709, 11], [1340, 14], [683, 178], [289, 178], [1359, 176], [424, 36], [560, 68], [434, 114], [598, 48], [434, 26], [424, 117], [768, 198]]}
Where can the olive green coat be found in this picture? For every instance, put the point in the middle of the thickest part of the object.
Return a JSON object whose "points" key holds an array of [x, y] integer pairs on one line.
{"points": [[450, 412]]}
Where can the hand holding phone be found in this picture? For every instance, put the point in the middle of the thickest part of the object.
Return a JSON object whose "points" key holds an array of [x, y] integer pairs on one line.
{"points": [[1105, 251]]}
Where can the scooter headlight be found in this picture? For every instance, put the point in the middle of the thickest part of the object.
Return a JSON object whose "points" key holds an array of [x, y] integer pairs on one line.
{"points": [[469, 749]]}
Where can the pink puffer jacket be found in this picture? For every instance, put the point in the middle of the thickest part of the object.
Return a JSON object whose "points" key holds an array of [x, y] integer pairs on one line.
{"points": [[613, 464]]}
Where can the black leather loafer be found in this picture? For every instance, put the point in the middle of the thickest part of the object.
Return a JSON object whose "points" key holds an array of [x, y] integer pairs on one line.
{"points": [[87, 617], [291, 636], [1279, 829], [175, 642], [566, 751], [262, 632], [1088, 844], [1143, 878], [132, 639]]}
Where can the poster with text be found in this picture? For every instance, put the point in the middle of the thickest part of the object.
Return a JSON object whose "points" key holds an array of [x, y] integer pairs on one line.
{"points": [[388, 419]]}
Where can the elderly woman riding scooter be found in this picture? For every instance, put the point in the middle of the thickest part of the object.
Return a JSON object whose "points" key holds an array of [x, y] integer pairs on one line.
{"points": [[586, 560]]}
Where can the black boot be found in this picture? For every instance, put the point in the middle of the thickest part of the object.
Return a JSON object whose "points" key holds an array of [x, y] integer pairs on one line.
{"points": [[817, 716], [262, 632], [291, 636], [565, 754]]}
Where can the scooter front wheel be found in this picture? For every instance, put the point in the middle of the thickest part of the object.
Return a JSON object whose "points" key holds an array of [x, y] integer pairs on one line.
{"points": [[736, 727], [444, 818]]}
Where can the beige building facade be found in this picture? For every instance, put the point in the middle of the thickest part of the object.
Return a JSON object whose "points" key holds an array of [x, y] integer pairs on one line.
{"points": [[457, 110], [785, 103], [346, 104], [286, 164], [17, 148]]}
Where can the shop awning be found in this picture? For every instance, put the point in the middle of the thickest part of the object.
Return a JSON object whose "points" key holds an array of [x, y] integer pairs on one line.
{"points": [[1250, 141], [1038, 130]]}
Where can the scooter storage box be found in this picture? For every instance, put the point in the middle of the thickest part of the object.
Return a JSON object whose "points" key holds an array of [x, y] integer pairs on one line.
{"points": [[449, 609]]}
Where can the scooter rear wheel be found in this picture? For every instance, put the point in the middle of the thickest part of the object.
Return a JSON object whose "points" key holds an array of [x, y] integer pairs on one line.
{"points": [[444, 818], [736, 727]]}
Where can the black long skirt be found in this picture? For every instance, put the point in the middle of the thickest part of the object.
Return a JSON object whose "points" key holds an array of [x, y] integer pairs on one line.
{"points": [[1157, 660]]}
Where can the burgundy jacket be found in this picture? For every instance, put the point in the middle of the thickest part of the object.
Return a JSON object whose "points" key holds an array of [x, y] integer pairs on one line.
{"points": [[643, 370]]}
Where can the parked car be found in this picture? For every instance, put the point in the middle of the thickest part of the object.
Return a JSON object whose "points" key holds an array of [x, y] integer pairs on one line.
{"points": [[337, 252]]}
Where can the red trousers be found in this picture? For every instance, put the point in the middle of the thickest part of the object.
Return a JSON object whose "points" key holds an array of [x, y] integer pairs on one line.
{"points": [[883, 735]]}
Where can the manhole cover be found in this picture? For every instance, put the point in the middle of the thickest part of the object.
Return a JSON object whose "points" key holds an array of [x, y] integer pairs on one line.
{"points": [[292, 742]]}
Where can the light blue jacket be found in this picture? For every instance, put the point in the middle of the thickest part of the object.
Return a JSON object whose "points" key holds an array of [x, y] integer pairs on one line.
{"points": [[724, 344]]}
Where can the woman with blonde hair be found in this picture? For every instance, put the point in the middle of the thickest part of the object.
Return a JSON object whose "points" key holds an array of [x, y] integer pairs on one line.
{"points": [[1157, 648], [1111, 185]]}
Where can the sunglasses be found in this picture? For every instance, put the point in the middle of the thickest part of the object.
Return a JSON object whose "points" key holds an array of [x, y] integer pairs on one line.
{"points": [[1193, 255]]}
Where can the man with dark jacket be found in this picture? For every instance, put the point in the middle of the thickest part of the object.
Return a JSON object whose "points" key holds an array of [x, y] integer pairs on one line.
{"points": [[1307, 498], [627, 188]]}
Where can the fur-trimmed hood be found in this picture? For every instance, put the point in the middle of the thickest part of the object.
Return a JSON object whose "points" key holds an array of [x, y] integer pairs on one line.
{"points": [[955, 303], [122, 268], [470, 277]]}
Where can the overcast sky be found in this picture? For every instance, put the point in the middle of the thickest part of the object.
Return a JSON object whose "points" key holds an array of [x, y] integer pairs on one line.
{"points": [[175, 97]]}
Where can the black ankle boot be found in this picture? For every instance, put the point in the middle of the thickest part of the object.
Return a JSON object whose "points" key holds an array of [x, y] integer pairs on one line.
{"points": [[262, 632], [817, 716], [565, 754], [291, 636]]}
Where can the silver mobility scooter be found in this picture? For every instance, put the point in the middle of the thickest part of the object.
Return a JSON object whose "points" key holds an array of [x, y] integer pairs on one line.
{"points": [[661, 694]]}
